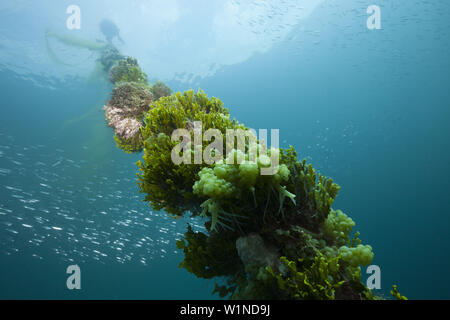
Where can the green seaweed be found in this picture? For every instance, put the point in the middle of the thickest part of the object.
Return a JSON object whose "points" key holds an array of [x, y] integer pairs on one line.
{"points": [[133, 96], [207, 256], [160, 89], [396, 294], [127, 70], [129, 146], [167, 185], [109, 57], [237, 201], [305, 248], [316, 280]]}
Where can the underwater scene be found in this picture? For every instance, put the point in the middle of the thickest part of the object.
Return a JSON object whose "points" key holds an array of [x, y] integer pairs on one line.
{"points": [[226, 149]]}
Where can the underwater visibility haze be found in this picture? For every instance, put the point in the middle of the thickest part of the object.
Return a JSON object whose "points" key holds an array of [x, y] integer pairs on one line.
{"points": [[92, 91]]}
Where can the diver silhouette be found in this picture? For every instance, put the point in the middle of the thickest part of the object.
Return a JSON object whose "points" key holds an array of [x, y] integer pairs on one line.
{"points": [[110, 31]]}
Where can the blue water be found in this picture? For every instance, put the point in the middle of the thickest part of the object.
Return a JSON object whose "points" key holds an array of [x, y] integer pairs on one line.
{"points": [[370, 108]]}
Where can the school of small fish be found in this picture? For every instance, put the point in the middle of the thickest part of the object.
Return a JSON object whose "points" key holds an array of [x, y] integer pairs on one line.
{"points": [[50, 207]]}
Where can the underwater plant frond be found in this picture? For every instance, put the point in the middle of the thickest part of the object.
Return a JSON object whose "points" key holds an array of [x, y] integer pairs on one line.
{"points": [[264, 245], [396, 294], [317, 280], [127, 70], [160, 89]]}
